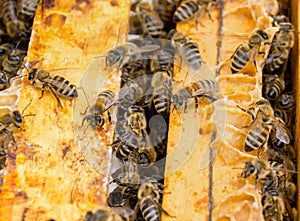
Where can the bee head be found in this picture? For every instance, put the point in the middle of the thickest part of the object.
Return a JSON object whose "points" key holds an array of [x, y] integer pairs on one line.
{"points": [[17, 116], [263, 34], [3, 77], [113, 57], [248, 170], [32, 74], [12, 29]]}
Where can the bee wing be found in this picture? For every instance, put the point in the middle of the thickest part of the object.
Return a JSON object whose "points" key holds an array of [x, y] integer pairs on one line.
{"points": [[122, 93], [282, 132], [149, 48], [124, 211]]}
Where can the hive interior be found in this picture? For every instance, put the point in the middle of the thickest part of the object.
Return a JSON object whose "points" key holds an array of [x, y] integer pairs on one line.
{"points": [[197, 203]]}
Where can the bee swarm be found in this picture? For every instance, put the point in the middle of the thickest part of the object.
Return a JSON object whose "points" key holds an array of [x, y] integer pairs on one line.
{"points": [[221, 151]]}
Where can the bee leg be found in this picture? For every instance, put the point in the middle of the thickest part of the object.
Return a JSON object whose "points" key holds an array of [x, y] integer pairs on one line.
{"points": [[109, 116], [56, 97], [135, 211], [209, 15], [196, 104], [9, 134], [165, 212], [43, 90], [84, 111]]}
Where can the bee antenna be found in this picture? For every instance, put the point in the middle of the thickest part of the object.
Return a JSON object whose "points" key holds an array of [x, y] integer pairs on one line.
{"points": [[285, 170], [26, 108], [29, 115], [101, 56], [18, 43], [20, 76], [84, 95], [237, 168]]}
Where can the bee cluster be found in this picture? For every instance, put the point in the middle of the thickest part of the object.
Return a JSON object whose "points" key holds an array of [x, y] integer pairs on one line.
{"points": [[143, 106], [16, 19], [272, 130]]}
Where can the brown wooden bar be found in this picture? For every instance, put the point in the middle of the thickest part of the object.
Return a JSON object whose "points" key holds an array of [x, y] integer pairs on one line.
{"points": [[48, 176]]}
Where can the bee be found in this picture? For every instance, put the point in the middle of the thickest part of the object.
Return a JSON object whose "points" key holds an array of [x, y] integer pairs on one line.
{"points": [[286, 101], [4, 81], [135, 25], [135, 140], [109, 214], [9, 17], [273, 86], [263, 120], [254, 168], [59, 86], [149, 197], [13, 61], [162, 89], [11, 121], [127, 52], [287, 116], [190, 8], [151, 23], [282, 42], [274, 206], [276, 140], [95, 119], [135, 72], [264, 176], [128, 184], [166, 10], [5, 48], [187, 48], [131, 93], [202, 87], [26, 12], [245, 53], [163, 60]]}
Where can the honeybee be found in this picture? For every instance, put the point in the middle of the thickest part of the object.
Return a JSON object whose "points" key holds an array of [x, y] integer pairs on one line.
{"points": [[264, 176], [11, 121], [187, 48], [5, 48], [132, 93], [128, 184], [190, 8], [9, 17], [202, 87], [165, 10], [4, 81], [286, 101], [273, 86], [123, 195], [245, 53], [26, 12], [13, 61], [162, 89], [263, 120], [282, 42], [127, 52], [163, 59], [135, 139], [254, 167], [149, 199], [286, 115], [109, 214], [151, 23], [135, 72], [59, 86], [273, 206], [95, 119]]}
